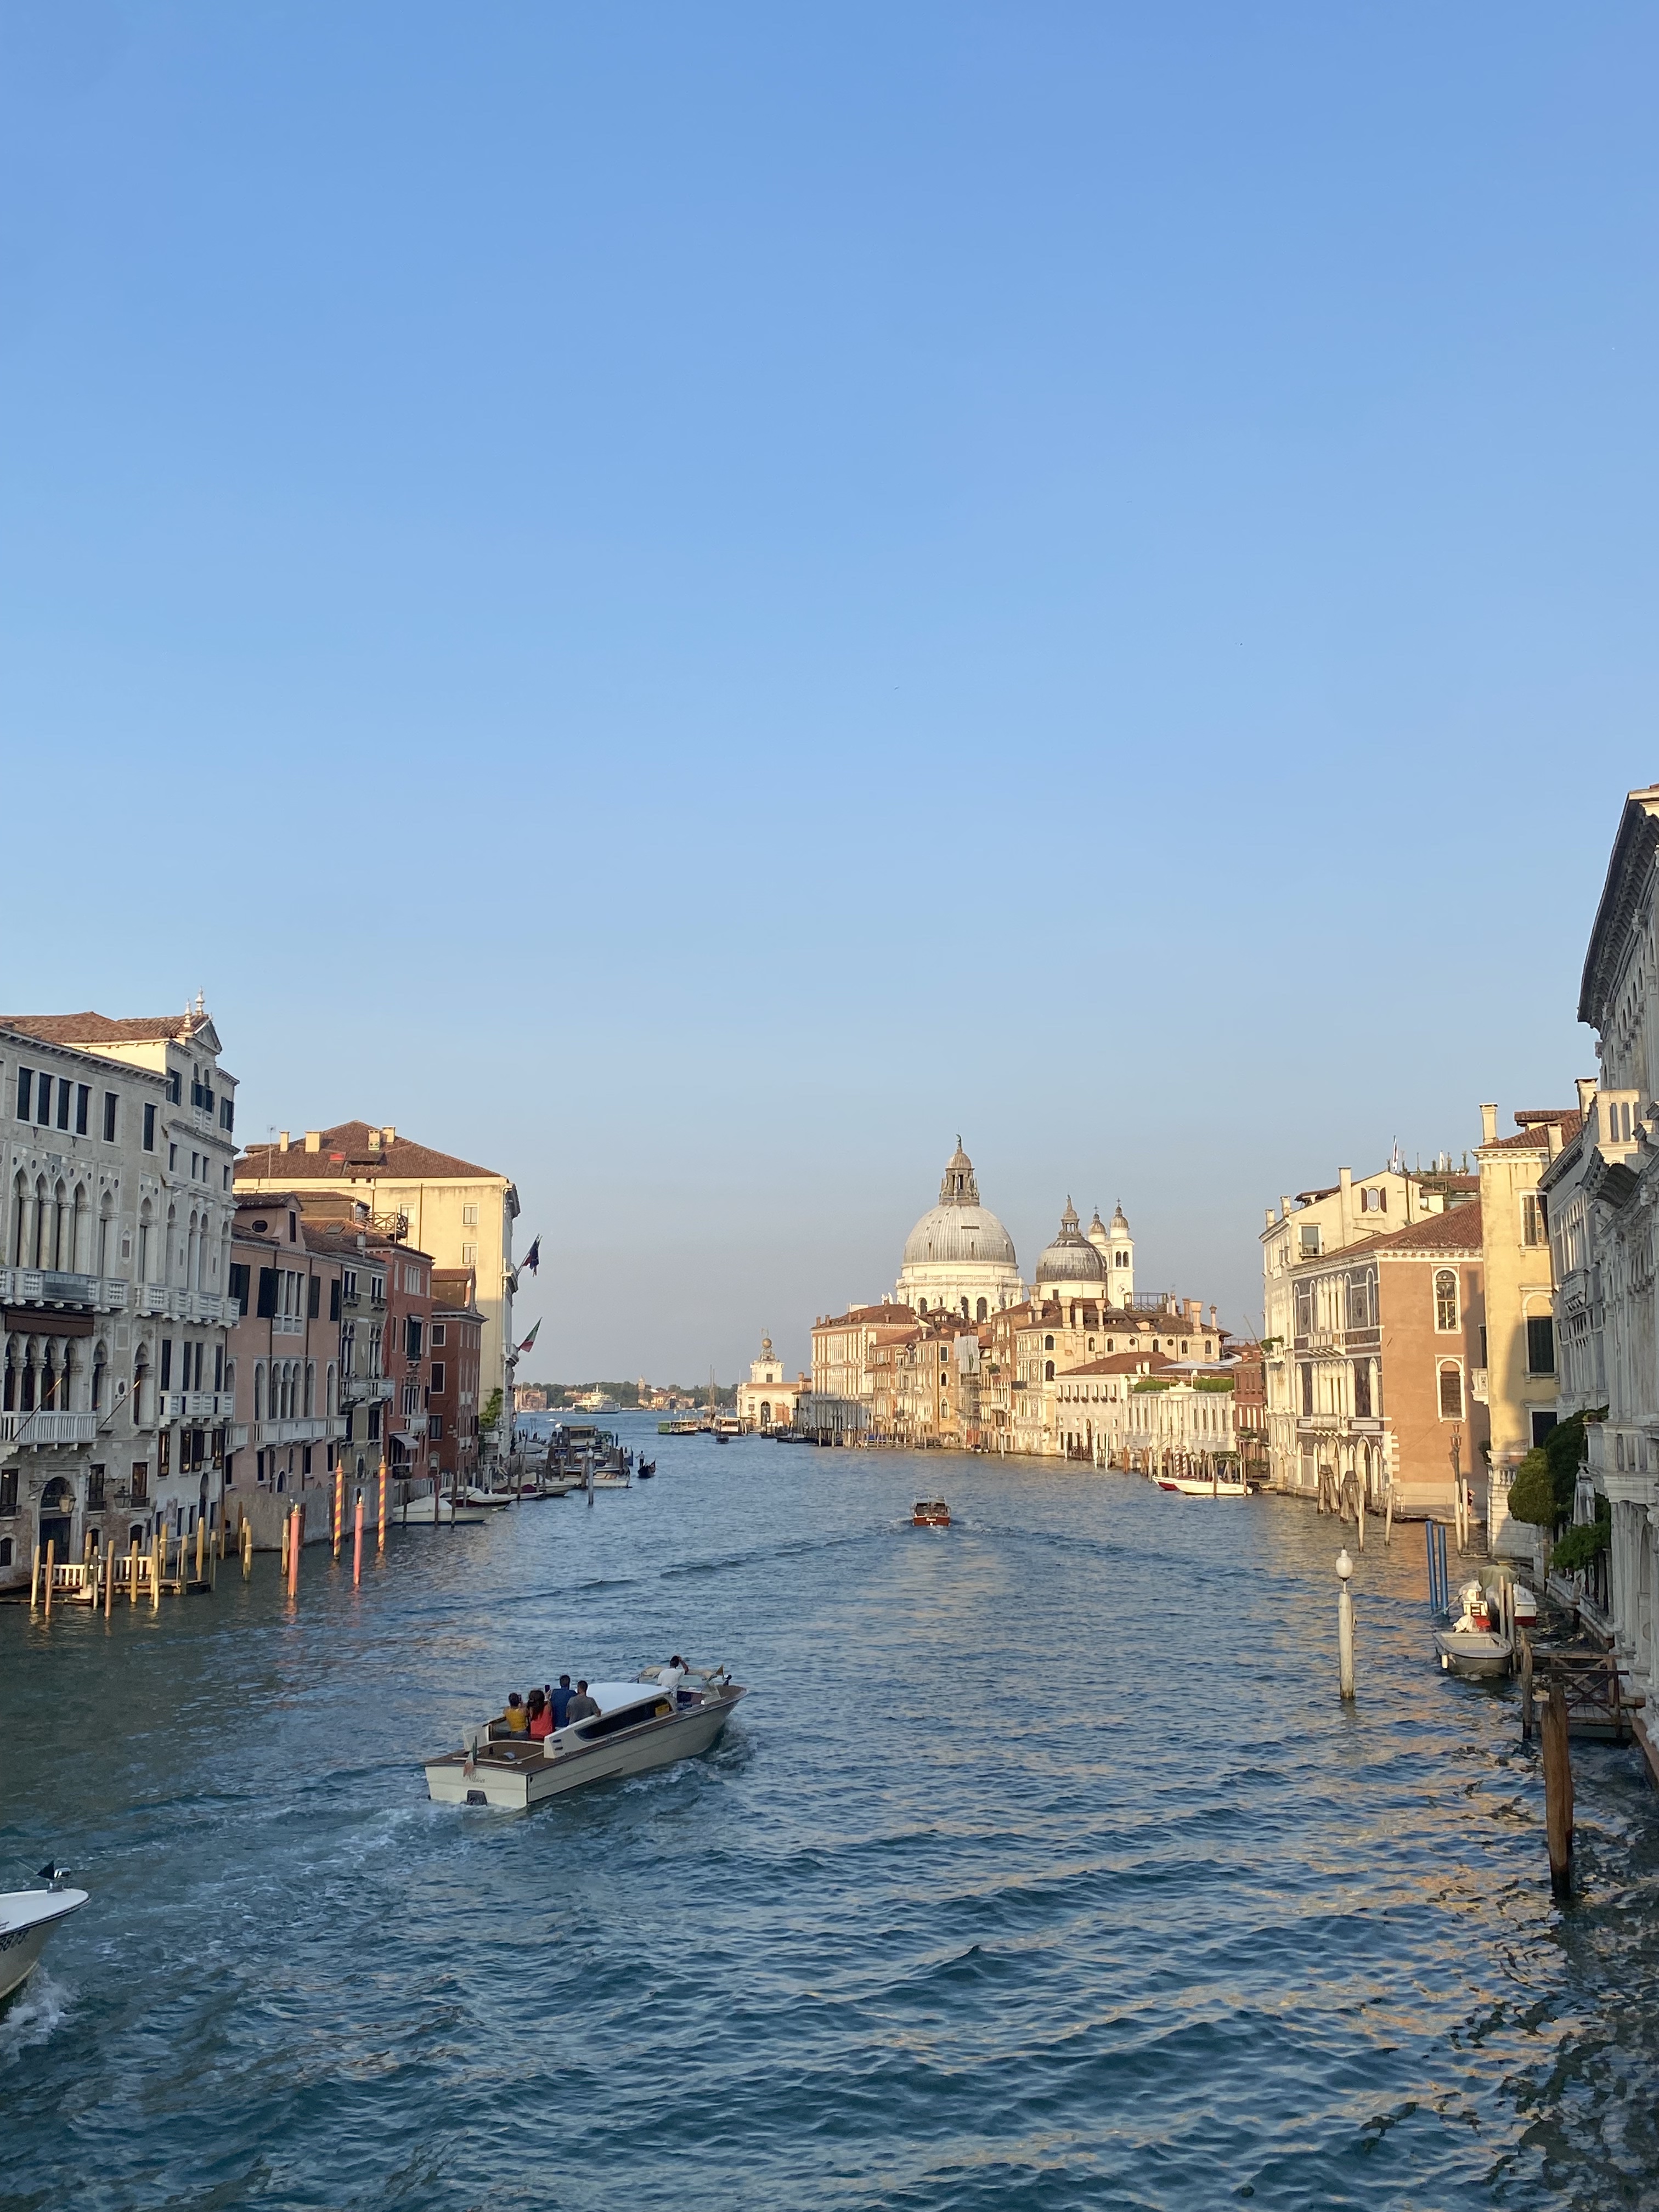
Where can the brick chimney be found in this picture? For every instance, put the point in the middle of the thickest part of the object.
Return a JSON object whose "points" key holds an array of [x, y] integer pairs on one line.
{"points": [[1489, 1123]]}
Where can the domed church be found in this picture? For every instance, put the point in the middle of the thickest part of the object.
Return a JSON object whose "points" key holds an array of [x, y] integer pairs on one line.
{"points": [[959, 1258]]}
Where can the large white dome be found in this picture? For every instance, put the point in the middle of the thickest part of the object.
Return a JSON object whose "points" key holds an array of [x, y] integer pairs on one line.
{"points": [[954, 1232]]}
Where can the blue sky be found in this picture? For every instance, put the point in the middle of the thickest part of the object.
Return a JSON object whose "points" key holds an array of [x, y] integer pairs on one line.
{"points": [[690, 600]]}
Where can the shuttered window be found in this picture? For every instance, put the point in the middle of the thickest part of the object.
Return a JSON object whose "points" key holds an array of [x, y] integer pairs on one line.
{"points": [[1451, 1391], [1540, 1344], [267, 1292]]}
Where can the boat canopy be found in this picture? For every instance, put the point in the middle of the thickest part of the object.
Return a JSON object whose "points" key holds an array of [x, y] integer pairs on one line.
{"points": [[611, 1696]]}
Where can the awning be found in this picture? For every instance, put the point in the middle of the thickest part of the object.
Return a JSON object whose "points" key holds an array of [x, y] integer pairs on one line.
{"points": [[407, 1436]]}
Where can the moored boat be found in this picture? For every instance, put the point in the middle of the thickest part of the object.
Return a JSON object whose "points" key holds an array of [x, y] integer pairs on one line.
{"points": [[1226, 1484], [640, 1725], [27, 1918], [1473, 1644]]}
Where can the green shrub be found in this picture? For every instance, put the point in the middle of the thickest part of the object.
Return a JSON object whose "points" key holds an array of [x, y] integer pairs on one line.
{"points": [[1532, 1494], [1575, 1549], [1545, 1481]]}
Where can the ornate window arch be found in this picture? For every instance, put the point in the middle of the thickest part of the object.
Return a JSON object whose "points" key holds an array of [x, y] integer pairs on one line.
{"points": [[1445, 1301]]}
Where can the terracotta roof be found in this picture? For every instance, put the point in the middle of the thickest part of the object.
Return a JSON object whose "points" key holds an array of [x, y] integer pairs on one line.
{"points": [[1532, 1126], [855, 1314], [99, 1029], [1457, 1229], [1122, 1363], [344, 1154]]}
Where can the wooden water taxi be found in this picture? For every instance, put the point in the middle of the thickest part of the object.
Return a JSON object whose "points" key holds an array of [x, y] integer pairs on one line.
{"points": [[640, 1725], [930, 1513]]}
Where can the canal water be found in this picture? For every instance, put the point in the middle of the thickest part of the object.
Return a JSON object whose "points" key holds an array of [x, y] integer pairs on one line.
{"points": [[1042, 1868]]}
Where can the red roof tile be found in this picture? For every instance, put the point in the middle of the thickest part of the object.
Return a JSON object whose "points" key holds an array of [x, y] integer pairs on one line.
{"points": [[99, 1028], [344, 1154], [1532, 1128]]}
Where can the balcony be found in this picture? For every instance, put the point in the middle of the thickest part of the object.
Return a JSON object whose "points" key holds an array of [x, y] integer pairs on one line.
{"points": [[197, 1405], [40, 1430], [313, 1429], [288, 1325], [366, 1389], [1478, 1385], [203, 1307], [45, 1286]]}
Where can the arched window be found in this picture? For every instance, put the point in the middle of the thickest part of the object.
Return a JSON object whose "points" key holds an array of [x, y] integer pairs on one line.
{"points": [[1048, 1346], [964, 1309], [921, 1305], [311, 1388], [1451, 1391], [1049, 1367], [979, 1311], [1445, 1299]]}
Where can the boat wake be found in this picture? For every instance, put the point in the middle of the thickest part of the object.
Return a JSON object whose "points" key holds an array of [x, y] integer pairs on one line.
{"points": [[36, 2012]]}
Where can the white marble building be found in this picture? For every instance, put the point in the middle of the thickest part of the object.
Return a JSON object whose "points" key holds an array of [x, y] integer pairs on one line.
{"points": [[959, 1258], [116, 1153]]}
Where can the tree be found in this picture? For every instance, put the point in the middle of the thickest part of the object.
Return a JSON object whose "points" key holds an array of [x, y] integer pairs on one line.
{"points": [[1546, 1481], [490, 1418]]}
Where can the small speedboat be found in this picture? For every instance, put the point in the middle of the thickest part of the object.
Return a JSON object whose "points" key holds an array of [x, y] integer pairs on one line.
{"points": [[1526, 1607], [434, 1511], [930, 1513], [485, 1500], [640, 1725], [28, 1916], [1472, 1645]]}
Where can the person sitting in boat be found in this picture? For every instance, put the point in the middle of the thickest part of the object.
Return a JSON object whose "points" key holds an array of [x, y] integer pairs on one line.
{"points": [[582, 1707], [518, 1720], [559, 1701], [541, 1715]]}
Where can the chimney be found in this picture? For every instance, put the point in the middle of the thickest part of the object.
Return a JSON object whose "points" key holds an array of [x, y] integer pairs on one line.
{"points": [[388, 1135], [1489, 1124], [1552, 1138], [1212, 1317], [1585, 1086], [1270, 1218], [374, 1140], [314, 1140], [1284, 1208], [282, 1140]]}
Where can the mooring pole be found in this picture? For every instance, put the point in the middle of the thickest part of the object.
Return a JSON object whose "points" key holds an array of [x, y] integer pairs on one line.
{"points": [[357, 1545], [379, 1524], [1345, 1622], [1557, 1791], [1525, 1642], [51, 1558], [247, 1551]]}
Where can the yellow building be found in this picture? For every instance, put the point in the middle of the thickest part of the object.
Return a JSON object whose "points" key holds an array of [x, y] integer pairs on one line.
{"points": [[461, 1214], [1521, 1376]]}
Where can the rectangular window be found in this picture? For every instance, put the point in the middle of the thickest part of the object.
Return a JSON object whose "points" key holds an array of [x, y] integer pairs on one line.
{"points": [[167, 1363], [267, 1293], [43, 1102], [411, 1337], [149, 1126], [334, 1299], [315, 1298], [1541, 1426], [437, 1333], [95, 1489], [1362, 1390], [1540, 1343], [109, 1117], [469, 1217], [1307, 1389], [65, 1092], [375, 1425], [25, 1085], [83, 1108], [175, 1089], [239, 1284], [469, 1255], [435, 1424], [1309, 1240], [437, 1373], [226, 1114], [172, 1158], [1451, 1391]]}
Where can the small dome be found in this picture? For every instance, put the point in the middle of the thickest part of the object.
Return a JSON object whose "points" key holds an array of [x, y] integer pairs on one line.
{"points": [[1120, 1220], [1071, 1258]]}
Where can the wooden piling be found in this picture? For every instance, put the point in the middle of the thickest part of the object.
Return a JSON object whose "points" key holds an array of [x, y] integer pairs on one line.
{"points": [[295, 1541], [1558, 1790], [1388, 1517], [357, 1545], [132, 1562], [157, 1554], [247, 1551], [339, 1504], [1524, 1641], [51, 1560], [34, 1579], [109, 1579], [201, 1547]]}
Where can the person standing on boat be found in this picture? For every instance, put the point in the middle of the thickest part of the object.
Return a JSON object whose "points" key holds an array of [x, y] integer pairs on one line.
{"points": [[582, 1707], [541, 1717], [671, 1676], [559, 1699]]}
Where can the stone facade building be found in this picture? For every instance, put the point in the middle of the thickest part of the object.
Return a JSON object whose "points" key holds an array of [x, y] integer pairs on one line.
{"points": [[959, 1258], [460, 1214], [115, 1233], [766, 1401]]}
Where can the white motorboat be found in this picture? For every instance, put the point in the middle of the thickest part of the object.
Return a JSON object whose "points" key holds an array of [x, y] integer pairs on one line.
{"points": [[485, 1501], [28, 1916], [438, 1512], [1203, 1486], [640, 1725], [1526, 1607], [1472, 1646]]}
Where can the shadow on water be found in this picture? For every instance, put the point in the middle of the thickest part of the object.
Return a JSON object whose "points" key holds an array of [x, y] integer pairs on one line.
{"points": [[1042, 1867]]}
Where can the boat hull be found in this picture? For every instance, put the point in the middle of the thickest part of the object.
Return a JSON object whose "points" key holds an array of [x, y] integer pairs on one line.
{"points": [[1193, 1486], [20, 1946], [529, 1779], [1473, 1653]]}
